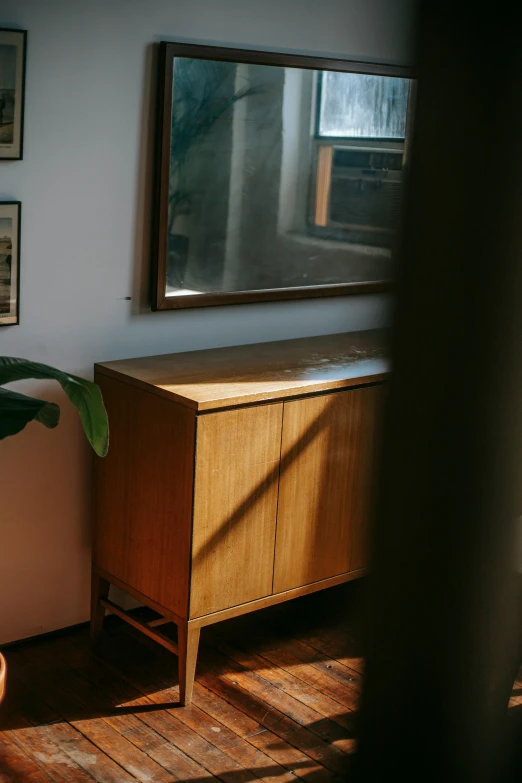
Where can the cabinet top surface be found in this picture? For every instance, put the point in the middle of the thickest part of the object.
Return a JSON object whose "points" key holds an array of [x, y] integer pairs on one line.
{"points": [[222, 377]]}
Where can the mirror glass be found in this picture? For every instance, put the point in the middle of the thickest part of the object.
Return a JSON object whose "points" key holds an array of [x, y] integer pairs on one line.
{"points": [[280, 177]]}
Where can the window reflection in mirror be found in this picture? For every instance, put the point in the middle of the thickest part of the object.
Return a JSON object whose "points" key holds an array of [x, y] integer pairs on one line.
{"points": [[281, 177]]}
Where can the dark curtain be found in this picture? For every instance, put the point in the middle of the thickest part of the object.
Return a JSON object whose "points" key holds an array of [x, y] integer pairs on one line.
{"points": [[443, 636]]}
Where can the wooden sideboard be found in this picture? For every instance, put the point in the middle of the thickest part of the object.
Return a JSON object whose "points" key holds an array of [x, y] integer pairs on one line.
{"points": [[236, 478]]}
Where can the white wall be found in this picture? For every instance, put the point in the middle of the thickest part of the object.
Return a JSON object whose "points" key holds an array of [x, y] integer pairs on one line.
{"points": [[83, 185]]}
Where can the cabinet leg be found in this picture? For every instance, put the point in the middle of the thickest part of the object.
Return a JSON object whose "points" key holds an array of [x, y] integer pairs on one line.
{"points": [[99, 589], [188, 642]]}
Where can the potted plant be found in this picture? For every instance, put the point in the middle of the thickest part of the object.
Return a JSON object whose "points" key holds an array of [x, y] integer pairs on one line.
{"points": [[17, 410]]}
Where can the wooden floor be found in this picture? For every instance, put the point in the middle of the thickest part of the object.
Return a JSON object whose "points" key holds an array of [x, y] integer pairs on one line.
{"points": [[274, 700]]}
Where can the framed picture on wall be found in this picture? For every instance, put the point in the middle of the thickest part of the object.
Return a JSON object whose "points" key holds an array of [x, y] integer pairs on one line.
{"points": [[10, 212], [12, 82], [278, 176]]}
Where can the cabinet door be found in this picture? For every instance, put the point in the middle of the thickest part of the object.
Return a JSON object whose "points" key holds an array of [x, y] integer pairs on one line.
{"points": [[235, 507], [327, 461]]}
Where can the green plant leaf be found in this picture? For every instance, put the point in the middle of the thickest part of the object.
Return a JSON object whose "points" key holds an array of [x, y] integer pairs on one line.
{"points": [[84, 395], [17, 410]]}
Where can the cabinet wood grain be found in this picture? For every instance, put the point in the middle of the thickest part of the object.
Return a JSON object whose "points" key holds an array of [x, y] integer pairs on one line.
{"points": [[143, 494], [245, 374], [364, 476], [235, 507], [327, 447]]}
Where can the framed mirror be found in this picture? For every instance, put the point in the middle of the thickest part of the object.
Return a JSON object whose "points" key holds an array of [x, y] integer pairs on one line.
{"points": [[277, 176]]}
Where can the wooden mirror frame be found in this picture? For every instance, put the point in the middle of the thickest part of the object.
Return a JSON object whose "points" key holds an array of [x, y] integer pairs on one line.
{"points": [[167, 52]]}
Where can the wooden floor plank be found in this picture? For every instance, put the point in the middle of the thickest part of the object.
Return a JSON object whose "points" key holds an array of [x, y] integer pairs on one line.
{"points": [[33, 742], [248, 756], [288, 653], [64, 696], [291, 709], [334, 646], [125, 753], [219, 749], [209, 756], [183, 767], [274, 702], [36, 745], [173, 728], [71, 695], [18, 767], [281, 751], [68, 755], [215, 732], [86, 754], [260, 765], [301, 737], [299, 680], [273, 746]]}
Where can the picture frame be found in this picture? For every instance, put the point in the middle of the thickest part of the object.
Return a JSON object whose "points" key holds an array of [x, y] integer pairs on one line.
{"points": [[248, 194], [13, 46], [10, 224]]}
